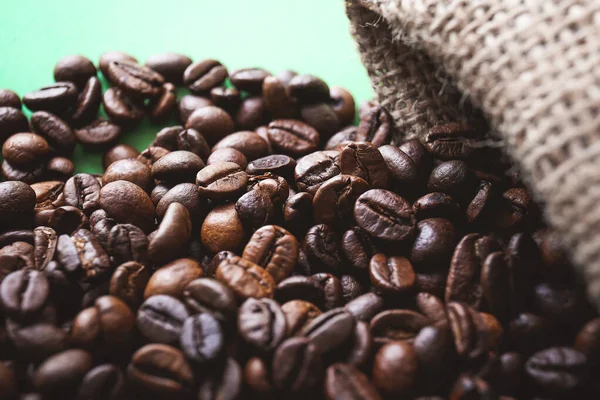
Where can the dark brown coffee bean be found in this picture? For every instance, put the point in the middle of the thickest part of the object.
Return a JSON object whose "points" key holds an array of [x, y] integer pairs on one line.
{"points": [[557, 369], [185, 194], [341, 138], [38, 341], [358, 248], [24, 149], [292, 137], [127, 203], [436, 205], [245, 278], [276, 187], [377, 127], [247, 142], [309, 89], [48, 195], [474, 333], [453, 178], [12, 121], [467, 386], [225, 383], [67, 219], [363, 160], [161, 109], [128, 283], [127, 242], [119, 152], [212, 122], [275, 249], [365, 307], [17, 199], [177, 166], [331, 330], [228, 99], [322, 248], [431, 306], [189, 103], [434, 243], [559, 301], [206, 295], [262, 324], [136, 80], [277, 164], [62, 372], [45, 241], [333, 203], [24, 293], [161, 370], [434, 348], [202, 76], [221, 181], [152, 154], [343, 105], [277, 99], [172, 278], [98, 134], [498, 287], [300, 288], [332, 290], [57, 98], [56, 131], [130, 170], [298, 213], [298, 315], [8, 98], [88, 102], [391, 275], [74, 68], [395, 368], [120, 108], [322, 117], [285, 76], [249, 79], [60, 168], [82, 255], [104, 382], [345, 381], [314, 169], [450, 141], [403, 171], [385, 215], [223, 229], [170, 65], [228, 155], [397, 325], [32, 174], [202, 338], [108, 56], [297, 365], [171, 238], [160, 318], [82, 191]]}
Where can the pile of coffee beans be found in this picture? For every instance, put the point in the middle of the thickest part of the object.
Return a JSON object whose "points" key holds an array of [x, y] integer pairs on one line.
{"points": [[266, 248]]}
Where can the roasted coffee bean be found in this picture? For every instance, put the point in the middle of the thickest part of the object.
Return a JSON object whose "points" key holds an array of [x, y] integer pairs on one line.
{"points": [[587, 340], [189, 103], [333, 203], [434, 348], [107, 57], [453, 178], [277, 99], [12, 236], [161, 370], [16, 256], [341, 138], [88, 102], [297, 365], [257, 377], [366, 306], [385, 215], [251, 113], [177, 167], [120, 108], [322, 248], [431, 306], [308, 89], [82, 255], [56, 131], [395, 368], [172, 278], [24, 149], [436, 205], [17, 199], [45, 241], [343, 105], [127, 203], [557, 369], [298, 315], [12, 121], [74, 68], [202, 338], [82, 191], [245, 278], [376, 127], [66, 220], [314, 169], [358, 249], [48, 195], [62, 372], [152, 154], [391, 275], [187, 195], [160, 318], [60, 168], [275, 249], [28, 175], [117, 153], [228, 154], [179, 138], [130, 170], [273, 186], [474, 333], [136, 80], [277, 164], [298, 213], [221, 181], [223, 229], [170, 65], [104, 382], [467, 386], [347, 382], [403, 171], [39, 340], [249, 79], [559, 301], [162, 108], [212, 122], [434, 243], [24, 293], [98, 134], [451, 141], [396, 325], [330, 330], [332, 290], [8, 98], [262, 324], [322, 117], [300, 288], [57, 98], [293, 138], [206, 295], [248, 143], [225, 383], [202, 76], [171, 238], [127, 242], [228, 99], [128, 283]]}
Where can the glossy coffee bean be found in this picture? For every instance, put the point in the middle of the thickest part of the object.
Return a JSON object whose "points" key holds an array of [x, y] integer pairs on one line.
{"points": [[16, 200], [170, 239], [105, 381], [212, 122], [298, 315], [395, 368], [308, 89], [24, 293], [130, 170], [228, 154], [262, 324], [434, 243], [88, 264], [376, 127], [343, 105], [136, 80], [391, 275], [202, 76], [57, 132], [120, 108], [206, 295], [298, 213], [98, 134], [333, 203], [88, 102], [450, 141], [222, 229], [277, 99], [202, 338], [189, 103], [128, 282], [74, 68], [397, 325], [127, 203], [365, 307], [187, 195], [345, 381], [127, 242], [228, 99], [275, 249], [118, 152], [245, 278], [436, 205], [322, 117], [170, 65], [12, 121], [221, 181], [300, 288], [24, 149], [249, 79], [403, 171], [453, 178], [250, 144], [385, 215], [62, 372], [322, 247], [331, 288], [557, 369], [57, 98], [293, 138], [160, 318], [82, 191], [177, 167], [330, 330], [172, 278], [314, 169], [251, 113], [8, 98], [297, 365]]}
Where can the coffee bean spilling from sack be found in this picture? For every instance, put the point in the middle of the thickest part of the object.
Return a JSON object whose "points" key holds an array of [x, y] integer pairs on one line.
{"points": [[266, 248]]}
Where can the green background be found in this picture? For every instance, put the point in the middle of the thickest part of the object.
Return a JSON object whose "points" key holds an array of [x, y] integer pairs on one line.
{"points": [[309, 36]]}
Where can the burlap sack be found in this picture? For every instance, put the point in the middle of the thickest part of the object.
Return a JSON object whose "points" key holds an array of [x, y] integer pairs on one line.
{"points": [[532, 66]]}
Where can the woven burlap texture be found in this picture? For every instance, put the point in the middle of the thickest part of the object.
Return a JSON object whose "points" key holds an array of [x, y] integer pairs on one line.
{"points": [[532, 66]]}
